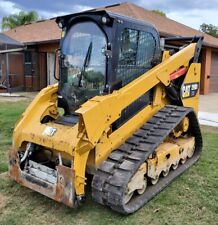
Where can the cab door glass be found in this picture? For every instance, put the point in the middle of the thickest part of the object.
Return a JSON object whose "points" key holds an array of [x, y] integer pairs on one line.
{"points": [[136, 53], [84, 63]]}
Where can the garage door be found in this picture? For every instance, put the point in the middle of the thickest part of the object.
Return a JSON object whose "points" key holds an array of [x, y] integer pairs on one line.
{"points": [[214, 73]]}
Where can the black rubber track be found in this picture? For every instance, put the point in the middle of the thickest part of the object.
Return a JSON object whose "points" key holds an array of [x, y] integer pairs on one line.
{"points": [[112, 177]]}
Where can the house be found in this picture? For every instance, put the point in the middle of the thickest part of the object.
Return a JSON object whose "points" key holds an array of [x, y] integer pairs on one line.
{"points": [[36, 61], [42, 39], [9, 45]]}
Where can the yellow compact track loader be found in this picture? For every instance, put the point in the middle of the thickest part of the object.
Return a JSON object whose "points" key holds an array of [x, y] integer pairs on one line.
{"points": [[124, 110]]}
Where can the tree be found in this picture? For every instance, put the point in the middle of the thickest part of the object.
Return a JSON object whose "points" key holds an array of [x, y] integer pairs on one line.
{"points": [[159, 12], [209, 29], [22, 18]]}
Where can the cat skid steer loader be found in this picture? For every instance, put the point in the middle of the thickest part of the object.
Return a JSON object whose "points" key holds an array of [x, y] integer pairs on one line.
{"points": [[124, 110]]}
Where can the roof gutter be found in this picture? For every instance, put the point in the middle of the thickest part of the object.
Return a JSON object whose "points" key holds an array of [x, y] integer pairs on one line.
{"points": [[12, 50], [205, 43], [43, 42]]}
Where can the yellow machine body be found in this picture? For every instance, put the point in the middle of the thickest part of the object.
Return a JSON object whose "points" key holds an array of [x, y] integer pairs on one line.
{"points": [[91, 141]]}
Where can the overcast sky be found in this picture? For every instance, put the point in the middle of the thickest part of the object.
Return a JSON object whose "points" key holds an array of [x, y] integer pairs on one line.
{"points": [[190, 12]]}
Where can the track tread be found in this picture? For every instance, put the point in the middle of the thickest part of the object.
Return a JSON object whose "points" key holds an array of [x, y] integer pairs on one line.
{"points": [[110, 181]]}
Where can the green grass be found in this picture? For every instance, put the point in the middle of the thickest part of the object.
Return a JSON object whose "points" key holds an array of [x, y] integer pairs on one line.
{"points": [[191, 199], [9, 113]]}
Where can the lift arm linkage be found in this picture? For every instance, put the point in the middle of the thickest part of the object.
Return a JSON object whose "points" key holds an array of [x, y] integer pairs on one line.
{"points": [[102, 111]]}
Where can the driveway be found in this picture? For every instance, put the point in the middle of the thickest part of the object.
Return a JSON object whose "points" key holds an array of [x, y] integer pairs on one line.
{"points": [[208, 110], [18, 96]]}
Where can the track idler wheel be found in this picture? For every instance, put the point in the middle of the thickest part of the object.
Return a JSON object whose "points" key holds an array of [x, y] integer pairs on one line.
{"points": [[155, 180], [165, 173], [142, 190], [183, 161], [175, 166], [128, 195], [138, 183]]}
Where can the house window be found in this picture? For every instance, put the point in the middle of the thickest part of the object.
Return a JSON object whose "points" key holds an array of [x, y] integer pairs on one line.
{"points": [[136, 53], [28, 57], [28, 63], [0, 70]]}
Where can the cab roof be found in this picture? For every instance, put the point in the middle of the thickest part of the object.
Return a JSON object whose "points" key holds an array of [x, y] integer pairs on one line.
{"points": [[106, 13]]}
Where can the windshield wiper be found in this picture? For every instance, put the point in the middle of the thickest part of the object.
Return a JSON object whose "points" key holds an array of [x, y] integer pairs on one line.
{"points": [[85, 63]]}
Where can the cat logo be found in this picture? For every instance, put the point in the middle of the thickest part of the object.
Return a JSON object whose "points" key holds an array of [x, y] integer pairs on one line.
{"points": [[49, 131], [189, 90]]}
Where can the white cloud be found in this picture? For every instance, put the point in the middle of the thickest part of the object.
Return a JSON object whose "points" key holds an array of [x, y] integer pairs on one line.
{"points": [[47, 15], [190, 13], [179, 5], [194, 18], [7, 7], [80, 8], [76, 8]]}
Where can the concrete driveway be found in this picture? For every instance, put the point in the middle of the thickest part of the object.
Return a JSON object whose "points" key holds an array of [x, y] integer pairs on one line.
{"points": [[208, 110], [17, 96]]}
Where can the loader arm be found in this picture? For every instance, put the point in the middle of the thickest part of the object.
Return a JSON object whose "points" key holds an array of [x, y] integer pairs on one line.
{"points": [[102, 111], [107, 109]]}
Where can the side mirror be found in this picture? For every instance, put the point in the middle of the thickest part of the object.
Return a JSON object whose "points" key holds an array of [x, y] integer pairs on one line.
{"points": [[57, 65]]}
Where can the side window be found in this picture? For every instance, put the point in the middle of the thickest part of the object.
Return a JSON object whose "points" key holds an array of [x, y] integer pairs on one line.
{"points": [[28, 63], [0, 70], [136, 52]]}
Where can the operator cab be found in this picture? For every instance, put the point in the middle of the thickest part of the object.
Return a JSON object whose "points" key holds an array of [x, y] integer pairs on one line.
{"points": [[102, 52]]}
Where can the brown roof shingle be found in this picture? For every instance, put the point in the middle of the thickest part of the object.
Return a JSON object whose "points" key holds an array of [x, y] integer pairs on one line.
{"points": [[45, 31], [41, 31]]}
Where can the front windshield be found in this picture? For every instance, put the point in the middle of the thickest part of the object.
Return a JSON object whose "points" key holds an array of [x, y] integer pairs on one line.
{"points": [[83, 64]]}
